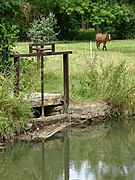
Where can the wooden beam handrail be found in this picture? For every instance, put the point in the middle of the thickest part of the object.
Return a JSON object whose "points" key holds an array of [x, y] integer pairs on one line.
{"points": [[41, 54], [40, 46]]}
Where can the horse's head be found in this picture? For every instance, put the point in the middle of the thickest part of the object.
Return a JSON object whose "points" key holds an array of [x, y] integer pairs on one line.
{"points": [[109, 36]]}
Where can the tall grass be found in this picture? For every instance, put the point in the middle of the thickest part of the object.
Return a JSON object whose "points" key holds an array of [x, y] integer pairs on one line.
{"points": [[108, 82], [14, 111]]}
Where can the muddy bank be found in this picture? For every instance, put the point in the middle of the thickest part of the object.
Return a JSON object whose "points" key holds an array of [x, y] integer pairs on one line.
{"points": [[78, 117]]}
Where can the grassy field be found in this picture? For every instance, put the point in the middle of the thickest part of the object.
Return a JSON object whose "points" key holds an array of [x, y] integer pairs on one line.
{"points": [[118, 51]]}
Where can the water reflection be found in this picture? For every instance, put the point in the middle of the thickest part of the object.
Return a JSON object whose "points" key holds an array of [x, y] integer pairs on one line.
{"points": [[69, 157]]}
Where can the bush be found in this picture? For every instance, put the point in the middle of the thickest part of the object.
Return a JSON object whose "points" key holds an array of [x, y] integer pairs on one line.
{"points": [[42, 29], [8, 36], [82, 34], [14, 111]]}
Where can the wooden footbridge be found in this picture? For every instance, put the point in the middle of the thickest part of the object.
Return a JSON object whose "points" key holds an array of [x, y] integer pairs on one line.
{"points": [[44, 99]]}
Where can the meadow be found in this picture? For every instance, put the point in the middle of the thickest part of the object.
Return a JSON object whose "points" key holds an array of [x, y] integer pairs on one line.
{"points": [[108, 75], [80, 63]]}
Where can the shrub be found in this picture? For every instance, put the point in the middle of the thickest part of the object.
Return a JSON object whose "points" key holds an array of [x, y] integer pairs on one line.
{"points": [[14, 111], [111, 83], [8, 36], [42, 29], [82, 34]]}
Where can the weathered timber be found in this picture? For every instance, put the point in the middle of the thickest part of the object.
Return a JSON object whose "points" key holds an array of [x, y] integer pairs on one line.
{"points": [[41, 54], [41, 47]]}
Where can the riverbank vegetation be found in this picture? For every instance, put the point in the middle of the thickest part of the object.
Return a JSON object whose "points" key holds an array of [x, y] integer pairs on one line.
{"points": [[109, 76]]}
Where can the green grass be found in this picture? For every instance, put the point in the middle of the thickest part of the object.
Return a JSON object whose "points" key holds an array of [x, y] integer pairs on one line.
{"points": [[118, 51], [110, 75]]}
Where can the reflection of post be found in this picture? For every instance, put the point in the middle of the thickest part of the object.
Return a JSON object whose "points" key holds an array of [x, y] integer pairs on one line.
{"points": [[66, 156], [66, 82], [43, 161], [42, 85]]}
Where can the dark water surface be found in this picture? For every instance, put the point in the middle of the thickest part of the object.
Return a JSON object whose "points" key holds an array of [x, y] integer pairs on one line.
{"points": [[110, 156]]}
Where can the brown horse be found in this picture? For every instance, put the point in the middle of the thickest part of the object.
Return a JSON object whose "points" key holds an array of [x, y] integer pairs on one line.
{"points": [[102, 38]]}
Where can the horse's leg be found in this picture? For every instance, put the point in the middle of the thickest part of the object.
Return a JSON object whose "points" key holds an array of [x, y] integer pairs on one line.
{"points": [[97, 44], [104, 46]]}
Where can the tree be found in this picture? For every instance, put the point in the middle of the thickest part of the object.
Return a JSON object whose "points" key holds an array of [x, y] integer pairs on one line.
{"points": [[42, 29], [8, 37], [105, 15]]}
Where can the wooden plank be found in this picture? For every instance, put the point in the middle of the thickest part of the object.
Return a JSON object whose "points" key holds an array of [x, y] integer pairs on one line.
{"points": [[41, 44], [41, 54], [41, 49]]}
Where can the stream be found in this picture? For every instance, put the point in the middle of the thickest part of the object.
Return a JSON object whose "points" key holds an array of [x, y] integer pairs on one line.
{"points": [[73, 156]]}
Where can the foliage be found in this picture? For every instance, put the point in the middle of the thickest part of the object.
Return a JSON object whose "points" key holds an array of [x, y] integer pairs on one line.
{"points": [[105, 82], [115, 16], [17, 11], [124, 27], [82, 34], [11, 7], [100, 80], [8, 36], [29, 76], [42, 29], [103, 15], [14, 111]]}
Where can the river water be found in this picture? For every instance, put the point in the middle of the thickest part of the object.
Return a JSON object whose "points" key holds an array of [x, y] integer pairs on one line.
{"points": [[73, 156]]}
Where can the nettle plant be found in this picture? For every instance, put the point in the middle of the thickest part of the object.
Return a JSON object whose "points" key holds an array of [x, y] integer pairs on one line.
{"points": [[42, 29], [8, 37]]}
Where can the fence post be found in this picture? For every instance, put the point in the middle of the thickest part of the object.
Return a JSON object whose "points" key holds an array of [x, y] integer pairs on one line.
{"points": [[91, 58], [17, 75], [53, 47], [42, 85], [66, 82], [30, 48]]}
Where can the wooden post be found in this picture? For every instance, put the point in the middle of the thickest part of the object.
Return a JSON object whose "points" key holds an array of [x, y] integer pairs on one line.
{"points": [[91, 51], [30, 48], [38, 58], [53, 47], [42, 85], [66, 82], [17, 75]]}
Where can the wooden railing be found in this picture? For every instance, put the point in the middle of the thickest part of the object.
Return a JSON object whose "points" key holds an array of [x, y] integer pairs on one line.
{"points": [[42, 55]]}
